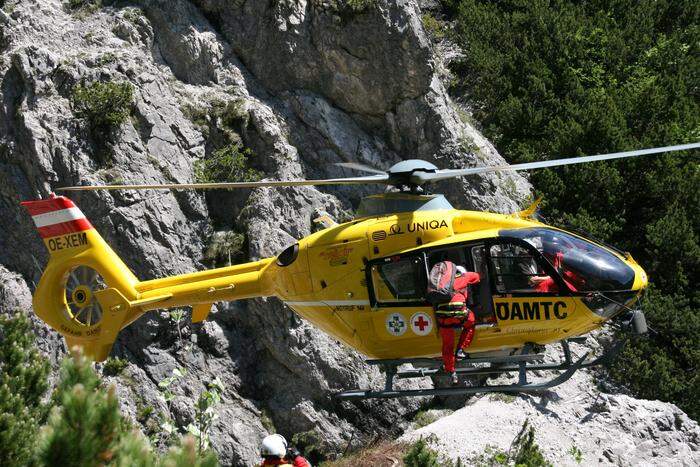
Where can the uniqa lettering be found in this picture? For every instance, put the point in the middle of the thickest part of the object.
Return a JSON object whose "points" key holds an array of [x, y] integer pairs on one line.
{"points": [[433, 224], [529, 311]]}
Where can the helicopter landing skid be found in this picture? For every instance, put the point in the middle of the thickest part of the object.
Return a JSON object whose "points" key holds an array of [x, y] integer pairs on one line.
{"points": [[522, 363]]}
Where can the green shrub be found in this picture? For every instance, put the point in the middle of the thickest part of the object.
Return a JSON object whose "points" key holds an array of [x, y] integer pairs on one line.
{"points": [[104, 106], [226, 248], [85, 426], [197, 115], [346, 9], [492, 457], [359, 6], [205, 415], [114, 366], [228, 164], [576, 454], [525, 450], [424, 418], [433, 27], [229, 116], [187, 455], [310, 446], [83, 7], [106, 58], [233, 113], [421, 455], [266, 421]]}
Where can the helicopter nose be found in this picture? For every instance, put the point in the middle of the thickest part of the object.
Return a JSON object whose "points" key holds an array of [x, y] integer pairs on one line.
{"points": [[641, 281]]}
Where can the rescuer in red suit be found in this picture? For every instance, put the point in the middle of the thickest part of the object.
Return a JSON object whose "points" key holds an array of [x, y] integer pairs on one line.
{"points": [[275, 451], [546, 284], [455, 315]]}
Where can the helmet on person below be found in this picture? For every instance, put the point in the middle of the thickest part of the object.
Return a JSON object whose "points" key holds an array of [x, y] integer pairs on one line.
{"points": [[274, 445], [460, 270]]}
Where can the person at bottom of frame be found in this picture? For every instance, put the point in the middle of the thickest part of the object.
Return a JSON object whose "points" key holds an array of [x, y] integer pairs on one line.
{"points": [[452, 313]]}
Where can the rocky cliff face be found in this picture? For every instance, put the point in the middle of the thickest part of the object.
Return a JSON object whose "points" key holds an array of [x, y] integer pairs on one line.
{"points": [[303, 84], [306, 84]]}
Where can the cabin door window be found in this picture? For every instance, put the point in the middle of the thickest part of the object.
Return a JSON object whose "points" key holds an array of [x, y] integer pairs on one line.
{"points": [[399, 280]]}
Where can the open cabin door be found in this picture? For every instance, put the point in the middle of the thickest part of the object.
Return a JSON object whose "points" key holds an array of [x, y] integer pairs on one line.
{"points": [[480, 300], [473, 257]]}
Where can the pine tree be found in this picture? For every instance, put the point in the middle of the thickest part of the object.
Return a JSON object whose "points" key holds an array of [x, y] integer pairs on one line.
{"points": [[23, 376], [85, 428], [525, 451]]}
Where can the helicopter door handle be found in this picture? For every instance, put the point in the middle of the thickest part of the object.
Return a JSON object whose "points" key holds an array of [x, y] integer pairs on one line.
{"points": [[212, 290]]}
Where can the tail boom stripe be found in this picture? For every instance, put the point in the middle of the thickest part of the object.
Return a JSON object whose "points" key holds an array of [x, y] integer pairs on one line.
{"points": [[57, 217], [63, 228], [43, 206]]}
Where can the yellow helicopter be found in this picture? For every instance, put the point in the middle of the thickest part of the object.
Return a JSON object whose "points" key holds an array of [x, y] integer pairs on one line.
{"points": [[364, 281]]}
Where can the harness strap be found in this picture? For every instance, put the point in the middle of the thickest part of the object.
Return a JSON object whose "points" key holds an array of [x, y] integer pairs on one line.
{"points": [[451, 309]]}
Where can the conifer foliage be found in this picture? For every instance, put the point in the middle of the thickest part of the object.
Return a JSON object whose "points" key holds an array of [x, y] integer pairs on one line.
{"points": [[560, 78], [85, 426], [23, 382]]}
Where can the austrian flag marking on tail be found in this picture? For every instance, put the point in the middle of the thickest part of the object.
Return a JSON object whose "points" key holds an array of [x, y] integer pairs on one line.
{"points": [[57, 216]]}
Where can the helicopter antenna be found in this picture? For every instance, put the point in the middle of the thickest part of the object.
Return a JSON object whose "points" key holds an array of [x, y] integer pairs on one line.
{"points": [[412, 173]]}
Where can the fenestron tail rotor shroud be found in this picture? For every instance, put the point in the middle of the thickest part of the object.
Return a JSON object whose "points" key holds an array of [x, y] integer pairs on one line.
{"points": [[410, 173]]}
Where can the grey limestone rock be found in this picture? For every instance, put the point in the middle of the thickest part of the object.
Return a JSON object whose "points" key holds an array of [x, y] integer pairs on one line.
{"points": [[608, 429]]}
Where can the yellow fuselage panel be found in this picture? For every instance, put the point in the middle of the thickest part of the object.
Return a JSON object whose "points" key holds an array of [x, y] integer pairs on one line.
{"points": [[540, 320], [338, 301]]}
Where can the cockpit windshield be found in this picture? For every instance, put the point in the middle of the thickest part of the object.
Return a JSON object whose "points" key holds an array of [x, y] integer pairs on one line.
{"points": [[583, 265]]}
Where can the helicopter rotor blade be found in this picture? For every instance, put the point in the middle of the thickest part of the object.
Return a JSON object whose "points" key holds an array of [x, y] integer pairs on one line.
{"points": [[414, 178], [360, 167], [381, 179], [449, 173]]}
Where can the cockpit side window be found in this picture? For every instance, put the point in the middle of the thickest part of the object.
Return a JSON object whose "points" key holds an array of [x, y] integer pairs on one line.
{"points": [[516, 269], [584, 266], [399, 279]]}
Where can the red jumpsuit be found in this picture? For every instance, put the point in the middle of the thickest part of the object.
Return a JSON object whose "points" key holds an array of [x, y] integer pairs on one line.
{"points": [[548, 285], [455, 315]]}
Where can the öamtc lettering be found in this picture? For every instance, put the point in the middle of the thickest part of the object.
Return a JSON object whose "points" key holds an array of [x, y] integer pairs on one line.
{"points": [[531, 311]]}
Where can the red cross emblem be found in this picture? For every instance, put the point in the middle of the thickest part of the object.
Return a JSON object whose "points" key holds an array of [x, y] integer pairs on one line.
{"points": [[421, 323]]}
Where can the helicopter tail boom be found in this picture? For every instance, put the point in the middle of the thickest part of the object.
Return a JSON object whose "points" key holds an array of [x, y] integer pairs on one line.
{"points": [[88, 294]]}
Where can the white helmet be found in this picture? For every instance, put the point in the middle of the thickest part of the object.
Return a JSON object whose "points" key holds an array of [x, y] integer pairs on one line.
{"points": [[461, 270], [274, 445]]}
